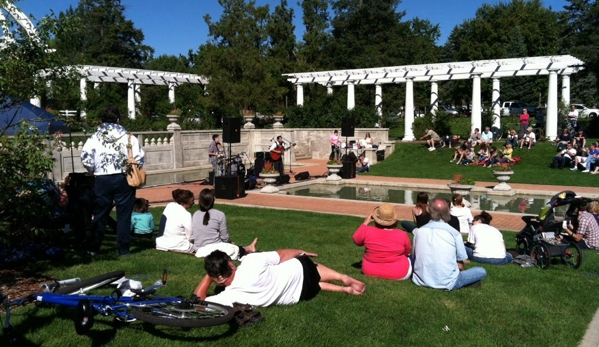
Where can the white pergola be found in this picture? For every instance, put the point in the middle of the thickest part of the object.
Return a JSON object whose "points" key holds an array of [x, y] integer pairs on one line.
{"points": [[134, 78], [564, 65]]}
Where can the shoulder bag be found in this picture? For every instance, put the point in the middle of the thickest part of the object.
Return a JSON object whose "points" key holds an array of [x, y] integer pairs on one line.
{"points": [[136, 176]]}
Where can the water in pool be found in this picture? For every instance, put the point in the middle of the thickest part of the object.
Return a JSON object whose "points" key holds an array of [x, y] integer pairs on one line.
{"points": [[478, 201]]}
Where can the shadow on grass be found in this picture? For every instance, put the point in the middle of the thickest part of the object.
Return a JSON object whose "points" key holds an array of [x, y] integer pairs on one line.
{"points": [[154, 331]]}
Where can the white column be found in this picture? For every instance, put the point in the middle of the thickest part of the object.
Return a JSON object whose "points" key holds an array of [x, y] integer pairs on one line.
{"points": [[96, 85], [171, 92], [496, 104], [434, 97], [300, 94], [566, 89], [131, 99], [35, 101], [137, 93], [407, 196], [409, 110], [83, 94], [329, 89], [476, 104], [351, 96], [551, 124], [378, 100]]}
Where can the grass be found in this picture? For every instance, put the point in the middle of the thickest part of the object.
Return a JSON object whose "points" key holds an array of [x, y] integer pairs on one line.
{"points": [[515, 306], [415, 161]]}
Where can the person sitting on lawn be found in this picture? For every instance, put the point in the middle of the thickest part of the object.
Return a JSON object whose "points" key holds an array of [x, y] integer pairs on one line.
{"points": [[563, 139], [564, 158], [529, 139], [468, 157], [486, 136], [387, 248], [507, 154], [282, 277], [174, 233], [512, 138], [483, 154], [142, 221], [420, 213], [210, 233], [460, 152], [462, 212], [431, 138], [591, 159], [364, 163], [493, 160], [440, 254], [586, 234], [475, 138], [579, 140], [485, 243]]}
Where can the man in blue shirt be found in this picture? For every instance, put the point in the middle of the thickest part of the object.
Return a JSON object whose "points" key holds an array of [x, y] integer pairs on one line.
{"points": [[592, 158], [440, 254]]}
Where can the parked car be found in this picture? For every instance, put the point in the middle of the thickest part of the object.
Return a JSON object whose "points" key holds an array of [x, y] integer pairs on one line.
{"points": [[514, 108], [448, 109], [584, 111]]}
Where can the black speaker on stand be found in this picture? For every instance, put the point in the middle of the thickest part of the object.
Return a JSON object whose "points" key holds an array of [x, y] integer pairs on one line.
{"points": [[229, 187], [347, 130], [232, 130]]}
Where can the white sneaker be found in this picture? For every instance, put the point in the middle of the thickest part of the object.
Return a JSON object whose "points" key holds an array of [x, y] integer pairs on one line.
{"points": [[431, 149], [573, 168], [585, 171]]}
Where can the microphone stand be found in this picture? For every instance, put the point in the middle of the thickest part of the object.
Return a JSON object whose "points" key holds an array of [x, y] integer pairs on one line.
{"points": [[290, 149]]}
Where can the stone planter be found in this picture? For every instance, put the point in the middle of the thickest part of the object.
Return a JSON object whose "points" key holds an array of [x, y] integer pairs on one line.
{"points": [[334, 170], [269, 180], [278, 119], [462, 189], [173, 118], [502, 177], [248, 118]]}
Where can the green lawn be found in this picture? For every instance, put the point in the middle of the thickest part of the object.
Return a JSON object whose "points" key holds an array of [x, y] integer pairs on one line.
{"points": [[414, 160], [514, 307]]}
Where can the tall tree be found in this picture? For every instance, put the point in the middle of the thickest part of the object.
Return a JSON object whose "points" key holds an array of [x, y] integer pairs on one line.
{"points": [[316, 22]]}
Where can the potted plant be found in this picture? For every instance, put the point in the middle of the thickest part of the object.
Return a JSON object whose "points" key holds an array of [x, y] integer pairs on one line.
{"points": [[502, 174], [461, 184], [269, 177], [334, 167]]}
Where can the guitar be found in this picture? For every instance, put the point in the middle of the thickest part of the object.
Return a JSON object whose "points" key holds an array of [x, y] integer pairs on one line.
{"points": [[276, 153]]}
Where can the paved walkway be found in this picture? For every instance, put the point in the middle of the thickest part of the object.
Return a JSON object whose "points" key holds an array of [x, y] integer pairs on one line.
{"points": [[317, 168]]}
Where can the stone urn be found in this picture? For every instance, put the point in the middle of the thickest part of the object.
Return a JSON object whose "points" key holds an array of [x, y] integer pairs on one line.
{"points": [[278, 119], [248, 118], [502, 177], [462, 189], [334, 170], [173, 118], [269, 181]]}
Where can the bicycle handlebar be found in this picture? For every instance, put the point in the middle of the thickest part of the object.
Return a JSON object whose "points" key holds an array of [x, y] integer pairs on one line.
{"points": [[51, 287]]}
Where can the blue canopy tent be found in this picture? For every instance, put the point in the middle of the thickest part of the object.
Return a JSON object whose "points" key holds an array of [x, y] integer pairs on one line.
{"points": [[13, 113]]}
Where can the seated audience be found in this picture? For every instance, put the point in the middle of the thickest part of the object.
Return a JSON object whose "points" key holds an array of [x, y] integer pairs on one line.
{"points": [[210, 233], [592, 158], [586, 234], [483, 154], [512, 138], [507, 154], [460, 152], [175, 225], [475, 137], [529, 139], [363, 163], [493, 160], [563, 139], [579, 140], [468, 157], [486, 136], [283, 277], [485, 243], [420, 213], [386, 247], [440, 254], [564, 158], [142, 221], [431, 138], [463, 214]]}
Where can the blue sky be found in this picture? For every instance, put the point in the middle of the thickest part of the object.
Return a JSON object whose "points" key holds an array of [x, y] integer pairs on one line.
{"points": [[176, 26]]}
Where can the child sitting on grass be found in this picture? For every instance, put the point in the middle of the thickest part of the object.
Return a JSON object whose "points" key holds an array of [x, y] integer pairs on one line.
{"points": [[507, 154], [142, 221]]}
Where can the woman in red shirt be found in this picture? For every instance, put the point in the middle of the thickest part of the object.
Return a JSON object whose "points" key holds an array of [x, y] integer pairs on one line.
{"points": [[524, 122], [387, 248]]}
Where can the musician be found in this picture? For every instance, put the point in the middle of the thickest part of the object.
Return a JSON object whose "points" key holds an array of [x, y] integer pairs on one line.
{"points": [[213, 153], [277, 149], [335, 143]]}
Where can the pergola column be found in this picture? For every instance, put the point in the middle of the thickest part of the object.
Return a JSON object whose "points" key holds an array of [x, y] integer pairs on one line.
{"points": [[83, 94], [409, 110], [171, 92], [566, 89], [476, 104], [131, 99], [351, 96], [551, 124], [300, 94], [496, 103], [378, 100], [329, 89], [434, 97]]}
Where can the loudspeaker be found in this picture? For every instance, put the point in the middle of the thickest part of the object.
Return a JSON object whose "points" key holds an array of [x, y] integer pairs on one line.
{"points": [[258, 166], [232, 130], [347, 127], [302, 176], [259, 155], [283, 179], [229, 187], [349, 169]]}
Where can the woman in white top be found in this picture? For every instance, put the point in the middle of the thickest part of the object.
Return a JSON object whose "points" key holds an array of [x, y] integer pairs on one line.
{"points": [[485, 243], [175, 225], [462, 212]]}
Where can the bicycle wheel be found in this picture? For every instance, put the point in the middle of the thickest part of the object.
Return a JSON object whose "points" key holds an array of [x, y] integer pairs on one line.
{"points": [[183, 314], [572, 256], [91, 283]]}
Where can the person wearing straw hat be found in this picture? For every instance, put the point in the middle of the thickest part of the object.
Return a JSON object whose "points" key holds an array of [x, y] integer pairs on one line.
{"points": [[529, 139], [387, 248]]}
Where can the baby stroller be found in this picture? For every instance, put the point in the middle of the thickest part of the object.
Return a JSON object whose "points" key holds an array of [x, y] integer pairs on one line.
{"points": [[541, 237]]}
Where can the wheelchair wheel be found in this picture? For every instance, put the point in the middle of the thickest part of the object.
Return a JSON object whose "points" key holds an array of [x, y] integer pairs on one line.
{"points": [[572, 256], [541, 255]]}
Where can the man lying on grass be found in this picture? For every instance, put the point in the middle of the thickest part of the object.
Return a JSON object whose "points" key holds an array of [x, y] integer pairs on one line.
{"points": [[282, 277]]}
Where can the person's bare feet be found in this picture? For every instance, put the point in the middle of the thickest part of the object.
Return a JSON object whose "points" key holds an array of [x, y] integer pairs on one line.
{"points": [[251, 248], [353, 286]]}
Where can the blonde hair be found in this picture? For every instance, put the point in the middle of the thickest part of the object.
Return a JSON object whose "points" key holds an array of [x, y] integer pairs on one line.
{"points": [[594, 207]]}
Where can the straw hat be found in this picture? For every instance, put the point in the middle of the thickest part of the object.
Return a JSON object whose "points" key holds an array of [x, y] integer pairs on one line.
{"points": [[385, 215], [529, 128]]}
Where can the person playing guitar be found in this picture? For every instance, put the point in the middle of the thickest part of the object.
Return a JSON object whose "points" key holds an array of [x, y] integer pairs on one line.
{"points": [[277, 149]]}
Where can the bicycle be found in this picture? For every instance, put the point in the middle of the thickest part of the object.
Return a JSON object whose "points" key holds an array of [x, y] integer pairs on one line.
{"points": [[142, 305]]}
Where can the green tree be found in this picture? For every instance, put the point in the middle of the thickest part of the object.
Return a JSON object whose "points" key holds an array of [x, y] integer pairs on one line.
{"points": [[316, 23]]}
